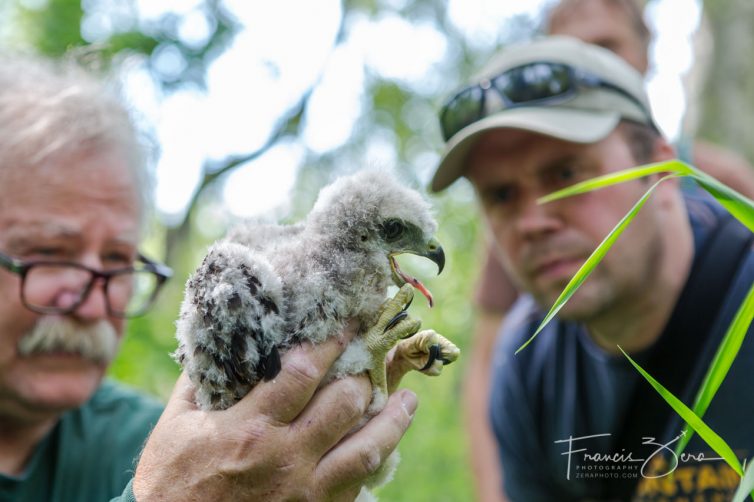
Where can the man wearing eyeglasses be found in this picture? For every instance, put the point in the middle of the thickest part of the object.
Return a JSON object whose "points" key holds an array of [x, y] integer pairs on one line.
{"points": [[571, 417], [72, 205]]}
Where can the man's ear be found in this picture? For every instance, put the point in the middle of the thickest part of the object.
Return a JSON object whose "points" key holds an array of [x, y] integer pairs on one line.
{"points": [[669, 190]]}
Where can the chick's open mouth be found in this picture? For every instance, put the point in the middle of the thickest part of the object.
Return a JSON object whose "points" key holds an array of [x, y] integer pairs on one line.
{"points": [[400, 278]]}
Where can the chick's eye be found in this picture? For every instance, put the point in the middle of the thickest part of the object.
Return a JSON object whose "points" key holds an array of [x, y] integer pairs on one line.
{"points": [[392, 229]]}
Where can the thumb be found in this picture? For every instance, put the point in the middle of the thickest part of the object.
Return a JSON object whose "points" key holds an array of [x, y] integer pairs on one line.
{"points": [[182, 399]]}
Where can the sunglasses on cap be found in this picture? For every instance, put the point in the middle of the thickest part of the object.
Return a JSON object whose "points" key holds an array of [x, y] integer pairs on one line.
{"points": [[532, 84]]}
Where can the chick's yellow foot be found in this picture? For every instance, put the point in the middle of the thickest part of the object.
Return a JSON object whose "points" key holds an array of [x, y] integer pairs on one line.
{"points": [[427, 351], [393, 324]]}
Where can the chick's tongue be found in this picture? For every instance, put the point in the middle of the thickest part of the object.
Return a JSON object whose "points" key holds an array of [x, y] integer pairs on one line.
{"points": [[417, 284]]}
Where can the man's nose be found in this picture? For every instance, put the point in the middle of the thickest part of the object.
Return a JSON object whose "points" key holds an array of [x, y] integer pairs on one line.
{"points": [[535, 220], [94, 306]]}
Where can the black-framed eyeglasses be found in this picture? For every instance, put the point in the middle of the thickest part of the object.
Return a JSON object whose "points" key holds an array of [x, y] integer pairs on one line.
{"points": [[57, 287], [532, 84]]}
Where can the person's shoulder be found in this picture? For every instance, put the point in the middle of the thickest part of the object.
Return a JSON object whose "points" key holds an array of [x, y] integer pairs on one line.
{"points": [[112, 395], [123, 404], [705, 215], [116, 420], [708, 221], [703, 209], [742, 280], [519, 326], [522, 321], [111, 390]]}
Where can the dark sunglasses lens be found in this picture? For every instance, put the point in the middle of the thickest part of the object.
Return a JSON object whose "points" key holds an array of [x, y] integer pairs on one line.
{"points": [[464, 109], [534, 82]]}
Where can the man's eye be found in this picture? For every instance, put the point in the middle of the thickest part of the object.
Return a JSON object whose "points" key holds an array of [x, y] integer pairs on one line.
{"points": [[118, 259], [566, 173], [501, 195], [46, 252]]}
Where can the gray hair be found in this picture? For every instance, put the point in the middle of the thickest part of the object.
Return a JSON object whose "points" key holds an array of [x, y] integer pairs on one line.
{"points": [[53, 108]]}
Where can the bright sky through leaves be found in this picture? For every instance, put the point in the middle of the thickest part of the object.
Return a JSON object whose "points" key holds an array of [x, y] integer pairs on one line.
{"points": [[278, 55]]}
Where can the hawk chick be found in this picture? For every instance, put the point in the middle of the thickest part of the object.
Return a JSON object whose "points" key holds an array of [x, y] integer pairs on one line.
{"points": [[267, 287]]}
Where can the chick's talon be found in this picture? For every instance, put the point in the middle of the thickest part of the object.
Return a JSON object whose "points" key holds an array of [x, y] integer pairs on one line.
{"points": [[410, 299], [392, 307], [395, 320], [427, 352], [434, 355]]}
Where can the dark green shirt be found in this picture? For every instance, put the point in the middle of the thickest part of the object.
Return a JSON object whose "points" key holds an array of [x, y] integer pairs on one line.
{"points": [[90, 454]]}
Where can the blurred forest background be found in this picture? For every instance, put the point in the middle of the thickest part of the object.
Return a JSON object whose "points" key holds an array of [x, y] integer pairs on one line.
{"points": [[378, 108]]}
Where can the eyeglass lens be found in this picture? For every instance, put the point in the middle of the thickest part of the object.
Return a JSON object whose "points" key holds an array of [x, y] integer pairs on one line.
{"points": [[60, 287]]}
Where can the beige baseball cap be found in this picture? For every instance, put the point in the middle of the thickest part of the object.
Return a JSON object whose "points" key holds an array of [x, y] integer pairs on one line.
{"points": [[585, 116]]}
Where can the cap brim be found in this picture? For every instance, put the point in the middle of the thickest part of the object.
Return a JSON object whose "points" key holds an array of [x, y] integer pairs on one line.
{"points": [[577, 126]]}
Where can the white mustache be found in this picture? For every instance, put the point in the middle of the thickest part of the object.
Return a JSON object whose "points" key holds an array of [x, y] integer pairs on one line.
{"points": [[97, 342]]}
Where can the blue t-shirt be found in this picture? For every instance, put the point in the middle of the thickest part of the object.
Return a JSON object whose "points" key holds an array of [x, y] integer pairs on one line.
{"points": [[556, 407], [91, 453]]}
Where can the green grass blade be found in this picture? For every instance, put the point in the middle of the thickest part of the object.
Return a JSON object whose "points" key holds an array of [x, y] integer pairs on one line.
{"points": [[746, 486], [672, 166], [710, 437], [738, 205], [593, 261], [723, 360]]}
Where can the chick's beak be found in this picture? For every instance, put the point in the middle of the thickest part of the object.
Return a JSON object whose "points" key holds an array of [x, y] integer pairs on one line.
{"points": [[436, 254]]}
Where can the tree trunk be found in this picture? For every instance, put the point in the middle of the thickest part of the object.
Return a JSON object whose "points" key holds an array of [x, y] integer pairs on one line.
{"points": [[727, 106]]}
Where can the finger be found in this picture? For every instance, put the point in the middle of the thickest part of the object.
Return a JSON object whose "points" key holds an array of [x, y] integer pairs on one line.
{"points": [[358, 456], [332, 413], [182, 399], [303, 368]]}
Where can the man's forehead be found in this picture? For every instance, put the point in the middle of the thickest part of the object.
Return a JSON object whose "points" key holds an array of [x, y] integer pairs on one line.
{"points": [[23, 232], [78, 180], [507, 153], [23, 229], [506, 139], [505, 142]]}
